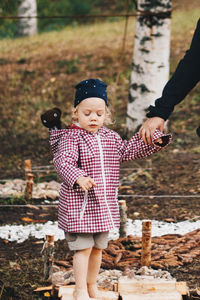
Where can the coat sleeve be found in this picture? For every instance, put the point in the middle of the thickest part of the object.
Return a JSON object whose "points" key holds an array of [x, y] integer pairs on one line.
{"points": [[185, 77], [66, 161], [136, 148]]}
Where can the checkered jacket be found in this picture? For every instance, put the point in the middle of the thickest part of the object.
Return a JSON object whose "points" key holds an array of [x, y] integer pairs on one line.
{"points": [[80, 153]]}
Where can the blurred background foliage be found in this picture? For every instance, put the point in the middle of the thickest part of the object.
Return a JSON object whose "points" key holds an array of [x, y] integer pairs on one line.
{"points": [[59, 8]]}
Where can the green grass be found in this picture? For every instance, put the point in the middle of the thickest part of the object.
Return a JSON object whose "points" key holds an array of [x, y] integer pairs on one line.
{"points": [[81, 38], [85, 37]]}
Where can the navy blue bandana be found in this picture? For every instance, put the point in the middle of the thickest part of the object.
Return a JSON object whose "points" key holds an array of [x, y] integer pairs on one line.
{"points": [[90, 88]]}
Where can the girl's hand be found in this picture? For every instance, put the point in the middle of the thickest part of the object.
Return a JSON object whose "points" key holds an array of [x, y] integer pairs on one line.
{"points": [[86, 183], [158, 141]]}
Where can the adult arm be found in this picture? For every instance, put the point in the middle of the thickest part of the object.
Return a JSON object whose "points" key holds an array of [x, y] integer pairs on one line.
{"points": [[185, 77]]}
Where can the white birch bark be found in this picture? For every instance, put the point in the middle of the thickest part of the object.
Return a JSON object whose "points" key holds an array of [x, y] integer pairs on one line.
{"points": [[150, 69], [26, 26]]}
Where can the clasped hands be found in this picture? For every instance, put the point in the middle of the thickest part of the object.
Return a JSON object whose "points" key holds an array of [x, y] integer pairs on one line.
{"points": [[147, 129]]}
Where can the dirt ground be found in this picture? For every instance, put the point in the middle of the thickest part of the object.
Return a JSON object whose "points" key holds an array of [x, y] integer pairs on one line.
{"points": [[21, 268]]}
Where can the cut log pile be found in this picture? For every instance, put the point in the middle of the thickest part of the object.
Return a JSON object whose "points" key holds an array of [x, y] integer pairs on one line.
{"points": [[170, 250], [167, 251]]}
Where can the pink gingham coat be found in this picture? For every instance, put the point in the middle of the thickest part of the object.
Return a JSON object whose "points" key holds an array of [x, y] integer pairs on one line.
{"points": [[80, 153]]}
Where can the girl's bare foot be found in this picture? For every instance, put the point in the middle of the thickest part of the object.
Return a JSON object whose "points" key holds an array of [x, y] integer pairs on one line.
{"points": [[80, 294], [93, 291]]}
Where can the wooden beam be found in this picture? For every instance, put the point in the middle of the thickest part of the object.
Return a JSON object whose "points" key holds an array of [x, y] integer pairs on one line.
{"points": [[27, 167], [146, 243], [48, 256], [123, 218], [153, 296], [66, 293], [29, 186]]}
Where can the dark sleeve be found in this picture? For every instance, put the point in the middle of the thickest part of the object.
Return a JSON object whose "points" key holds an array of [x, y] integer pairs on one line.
{"points": [[185, 77]]}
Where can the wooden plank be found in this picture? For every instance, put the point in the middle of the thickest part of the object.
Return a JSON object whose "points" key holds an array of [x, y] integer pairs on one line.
{"points": [[68, 289], [109, 295], [44, 288], [66, 293], [182, 288], [144, 285], [153, 296]]}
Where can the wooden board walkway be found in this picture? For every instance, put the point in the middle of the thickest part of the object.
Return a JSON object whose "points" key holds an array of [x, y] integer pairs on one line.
{"points": [[66, 293], [137, 289], [147, 288]]}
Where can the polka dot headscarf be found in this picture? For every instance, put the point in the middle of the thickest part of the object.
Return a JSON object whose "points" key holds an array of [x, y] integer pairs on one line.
{"points": [[90, 88]]}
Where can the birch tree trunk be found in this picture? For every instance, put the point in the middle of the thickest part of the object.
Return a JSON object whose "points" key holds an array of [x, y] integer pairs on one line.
{"points": [[27, 26], [150, 68]]}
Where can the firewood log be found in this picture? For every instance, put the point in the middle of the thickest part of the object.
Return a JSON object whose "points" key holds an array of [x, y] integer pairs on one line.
{"points": [[117, 258], [107, 265], [156, 257], [65, 264], [192, 233], [108, 259], [112, 251], [138, 253], [172, 262], [157, 264], [185, 258], [194, 253], [119, 244], [128, 254], [171, 236], [132, 263], [137, 246]]}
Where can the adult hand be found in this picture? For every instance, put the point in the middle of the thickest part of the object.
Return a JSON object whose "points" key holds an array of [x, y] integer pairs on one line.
{"points": [[85, 183], [150, 125]]}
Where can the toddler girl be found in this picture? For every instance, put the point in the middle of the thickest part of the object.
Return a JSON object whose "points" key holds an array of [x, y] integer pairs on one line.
{"points": [[87, 157]]}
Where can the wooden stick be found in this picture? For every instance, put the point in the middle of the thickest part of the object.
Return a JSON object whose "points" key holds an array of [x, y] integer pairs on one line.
{"points": [[48, 256], [29, 186], [27, 167], [123, 218], [146, 243], [115, 287]]}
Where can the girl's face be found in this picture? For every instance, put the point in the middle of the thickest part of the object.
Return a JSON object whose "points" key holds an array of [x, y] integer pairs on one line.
{"points": [[91, 114]]}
